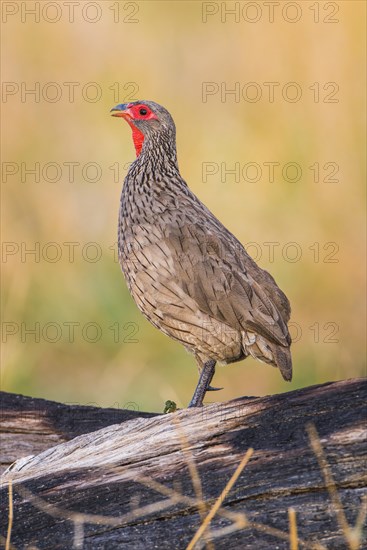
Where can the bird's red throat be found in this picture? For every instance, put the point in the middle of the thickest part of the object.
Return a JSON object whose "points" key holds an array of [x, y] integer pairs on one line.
{"points": [[138, 138]]}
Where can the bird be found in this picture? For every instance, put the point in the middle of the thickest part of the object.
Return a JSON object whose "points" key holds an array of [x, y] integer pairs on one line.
{"points": [[187, 273]]}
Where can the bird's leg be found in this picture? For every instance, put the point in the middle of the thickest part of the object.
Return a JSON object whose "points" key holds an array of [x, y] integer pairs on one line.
{"points": [[206, 376]]}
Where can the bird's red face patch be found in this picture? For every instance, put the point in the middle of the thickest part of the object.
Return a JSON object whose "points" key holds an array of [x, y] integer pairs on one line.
{"points": [[138, 112]]}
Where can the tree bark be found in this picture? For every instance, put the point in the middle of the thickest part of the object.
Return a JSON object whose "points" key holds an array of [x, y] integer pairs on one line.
{"points": [[111, 479]]}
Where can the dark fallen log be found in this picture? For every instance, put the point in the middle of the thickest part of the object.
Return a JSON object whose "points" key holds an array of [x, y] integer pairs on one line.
{"points": [[150, 482]]}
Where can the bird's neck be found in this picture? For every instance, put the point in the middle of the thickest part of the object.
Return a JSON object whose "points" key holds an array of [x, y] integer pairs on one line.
{"points": [[156, 157], [152, 176]]}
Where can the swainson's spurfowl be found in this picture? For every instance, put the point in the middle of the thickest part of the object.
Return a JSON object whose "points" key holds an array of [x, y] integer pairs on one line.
{"points": [[187, 273]]}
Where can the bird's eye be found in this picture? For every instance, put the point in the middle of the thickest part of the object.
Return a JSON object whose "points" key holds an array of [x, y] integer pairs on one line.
{"points": [[143, 111]]}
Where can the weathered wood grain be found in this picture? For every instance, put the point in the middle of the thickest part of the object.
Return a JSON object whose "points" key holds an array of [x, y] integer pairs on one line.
{"points": [[113, 472], [29, 426]]}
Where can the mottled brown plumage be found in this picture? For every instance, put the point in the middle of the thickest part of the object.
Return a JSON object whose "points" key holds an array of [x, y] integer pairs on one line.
{"points": [[187, 273]]}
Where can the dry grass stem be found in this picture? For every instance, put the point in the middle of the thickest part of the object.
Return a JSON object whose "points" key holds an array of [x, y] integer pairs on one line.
{"points": [[224, 531], [3, 543], [195, 477], [10, 516], [331, 486], [293, 535], [78, 534], [361, 518], [220, 499]]}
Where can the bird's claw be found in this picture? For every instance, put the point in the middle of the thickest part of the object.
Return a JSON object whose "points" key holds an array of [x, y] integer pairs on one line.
{"points": [[210, 388]]}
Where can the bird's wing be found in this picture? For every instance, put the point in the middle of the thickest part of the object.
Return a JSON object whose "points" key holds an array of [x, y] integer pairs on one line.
{"points": [[215, 276]]}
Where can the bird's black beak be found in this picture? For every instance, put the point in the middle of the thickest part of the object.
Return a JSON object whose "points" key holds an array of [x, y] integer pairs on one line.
{"points": [[121, 110]]}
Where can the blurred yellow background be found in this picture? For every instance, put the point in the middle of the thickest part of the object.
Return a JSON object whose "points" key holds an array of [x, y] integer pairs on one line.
{"points": [[305, 67]]}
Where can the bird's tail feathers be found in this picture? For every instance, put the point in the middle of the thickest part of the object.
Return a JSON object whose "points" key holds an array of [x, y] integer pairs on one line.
{"points": [[268, 352], [283, 359]]}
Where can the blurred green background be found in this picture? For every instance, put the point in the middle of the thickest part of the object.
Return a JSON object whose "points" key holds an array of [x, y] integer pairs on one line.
{"points": [[169, 52]]}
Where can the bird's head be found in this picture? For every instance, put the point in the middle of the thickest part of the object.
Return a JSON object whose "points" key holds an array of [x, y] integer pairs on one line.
{"points": [[147, 119]]}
